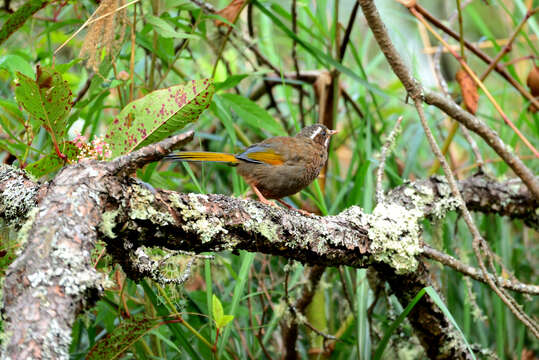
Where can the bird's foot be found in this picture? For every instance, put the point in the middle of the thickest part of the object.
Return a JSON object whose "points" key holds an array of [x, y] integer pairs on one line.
{"points": [[263, 200], [301, 211]]}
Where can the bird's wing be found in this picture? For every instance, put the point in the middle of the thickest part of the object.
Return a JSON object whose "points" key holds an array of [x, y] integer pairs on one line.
{"points": [[261, 154]]}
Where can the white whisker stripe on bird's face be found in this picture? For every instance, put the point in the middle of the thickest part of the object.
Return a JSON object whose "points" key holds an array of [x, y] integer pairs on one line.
{"points": [[315, 134], [326, 143]]}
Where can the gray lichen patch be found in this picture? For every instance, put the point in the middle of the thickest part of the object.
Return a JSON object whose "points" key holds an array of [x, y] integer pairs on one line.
{"points": [[17, 198], [422, 197], [207, 226], [69, 270], [142, 207], [394, 232]]}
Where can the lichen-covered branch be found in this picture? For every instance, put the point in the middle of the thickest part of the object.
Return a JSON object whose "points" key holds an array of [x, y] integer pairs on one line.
{"points": [[97, 200], [53, 279]]}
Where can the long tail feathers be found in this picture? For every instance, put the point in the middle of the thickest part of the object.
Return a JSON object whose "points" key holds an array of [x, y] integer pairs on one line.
{"points": [[202, 156]]}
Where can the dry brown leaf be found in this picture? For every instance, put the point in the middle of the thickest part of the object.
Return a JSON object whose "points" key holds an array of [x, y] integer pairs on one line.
{"points": [[533, 83], [527, 354], [468, 89], [230, 12]]}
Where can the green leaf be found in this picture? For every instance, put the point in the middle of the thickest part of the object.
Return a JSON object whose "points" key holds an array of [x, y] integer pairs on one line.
{"points": [[253, 114], [47, 99], [16, 63], [230, 82], [52, 162], [122, 338], [158, 115], [62, 68], [12, 148], [239, 287], [163, 28], [218, 314], [217, 310], [225, 320]]}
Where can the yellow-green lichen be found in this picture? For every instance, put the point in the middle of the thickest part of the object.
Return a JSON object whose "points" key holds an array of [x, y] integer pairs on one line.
{"points": [[142, 207], [22, 234], [394, 233], [258, 223], [196, 212], [108, 222]]}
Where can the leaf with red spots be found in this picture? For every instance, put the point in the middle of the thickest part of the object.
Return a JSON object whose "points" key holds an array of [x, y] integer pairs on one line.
{"points": [[48, 99], [122, 337], [158, 115], [53, 162]]}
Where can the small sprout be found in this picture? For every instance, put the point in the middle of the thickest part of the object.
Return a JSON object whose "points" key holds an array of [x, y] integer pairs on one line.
{"points": [[221, 320]]}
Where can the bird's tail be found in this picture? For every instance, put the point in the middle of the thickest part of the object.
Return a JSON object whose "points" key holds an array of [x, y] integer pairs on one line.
{"points": [[202, 156]]}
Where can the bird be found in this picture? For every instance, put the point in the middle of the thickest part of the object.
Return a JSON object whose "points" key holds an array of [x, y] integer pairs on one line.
{"points": [[277, 167]]}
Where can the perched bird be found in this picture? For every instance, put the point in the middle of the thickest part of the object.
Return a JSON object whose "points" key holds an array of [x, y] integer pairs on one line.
{"points": [[276, 167]]}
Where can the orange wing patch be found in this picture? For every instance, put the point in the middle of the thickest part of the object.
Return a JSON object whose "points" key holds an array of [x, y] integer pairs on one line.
{"points": [[266, 156]]}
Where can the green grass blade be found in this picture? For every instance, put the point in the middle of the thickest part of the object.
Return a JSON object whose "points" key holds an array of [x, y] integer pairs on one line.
{"points": [[387, 335], [246, 262]]}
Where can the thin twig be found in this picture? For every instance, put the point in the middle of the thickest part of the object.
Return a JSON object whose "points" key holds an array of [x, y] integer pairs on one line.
{"points": [[480, 54], [475, 149], [83, 91], [348, 31], [415, 91], [475, 273], [132, 58], [509, 44], [296, 63], [477, 81], [478, 241], [461, 30], [385, 149]]}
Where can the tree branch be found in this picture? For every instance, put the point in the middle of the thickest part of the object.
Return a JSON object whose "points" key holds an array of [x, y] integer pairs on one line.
{"points": [[96, 200]]}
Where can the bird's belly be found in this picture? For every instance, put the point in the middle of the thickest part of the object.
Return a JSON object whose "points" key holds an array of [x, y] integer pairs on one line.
{"points": [[275, 182]]}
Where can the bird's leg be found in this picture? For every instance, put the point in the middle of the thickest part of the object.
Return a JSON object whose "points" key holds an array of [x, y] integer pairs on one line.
{"points": [[263, 200], [301, 211], [261, 197]]}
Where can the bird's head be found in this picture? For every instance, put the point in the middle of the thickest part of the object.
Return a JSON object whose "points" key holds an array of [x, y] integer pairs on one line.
{"points": [[318, 133]]}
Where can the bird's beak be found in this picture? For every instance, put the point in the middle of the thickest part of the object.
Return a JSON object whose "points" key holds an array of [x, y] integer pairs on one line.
{"points": [[332, 132]]}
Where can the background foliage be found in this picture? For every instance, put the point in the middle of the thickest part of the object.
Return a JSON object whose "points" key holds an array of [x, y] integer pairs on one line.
{"points": [[258, 94]]}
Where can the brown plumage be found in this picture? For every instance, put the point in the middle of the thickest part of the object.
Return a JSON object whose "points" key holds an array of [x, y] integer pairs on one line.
{"points": [[276, 167]]}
